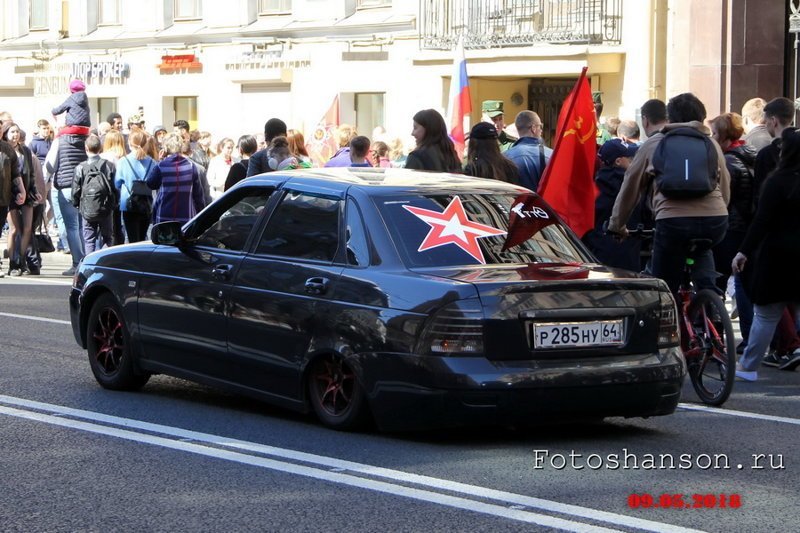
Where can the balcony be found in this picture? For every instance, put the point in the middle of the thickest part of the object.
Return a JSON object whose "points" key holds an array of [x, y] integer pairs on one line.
{"points": [[507, 23]]}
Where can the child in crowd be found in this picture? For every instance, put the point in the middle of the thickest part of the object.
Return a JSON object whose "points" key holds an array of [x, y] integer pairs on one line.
{"points": [[77, 119], [95, 195]]}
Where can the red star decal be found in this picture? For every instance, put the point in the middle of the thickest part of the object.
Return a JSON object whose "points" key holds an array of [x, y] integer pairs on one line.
{"points": [[452, 227]]}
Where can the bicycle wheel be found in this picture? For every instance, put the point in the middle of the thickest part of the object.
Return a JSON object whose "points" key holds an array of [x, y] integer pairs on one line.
{"points": [[711, 358]]}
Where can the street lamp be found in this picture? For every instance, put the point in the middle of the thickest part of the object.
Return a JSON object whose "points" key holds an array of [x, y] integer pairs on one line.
{"points": [[794, 27]]}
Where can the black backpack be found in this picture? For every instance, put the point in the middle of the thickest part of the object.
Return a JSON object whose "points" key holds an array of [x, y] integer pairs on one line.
{"points": [[97, 197], [686, 164]]}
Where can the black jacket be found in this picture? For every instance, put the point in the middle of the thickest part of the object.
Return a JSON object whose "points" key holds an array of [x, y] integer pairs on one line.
{"points": [[741, 209], [772, 244], [71, 153], [766, 162], [258, 163], [429, 158], [625, 254]]}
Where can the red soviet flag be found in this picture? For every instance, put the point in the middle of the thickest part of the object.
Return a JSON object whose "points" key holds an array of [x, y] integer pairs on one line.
{"points": [[568, 181]]}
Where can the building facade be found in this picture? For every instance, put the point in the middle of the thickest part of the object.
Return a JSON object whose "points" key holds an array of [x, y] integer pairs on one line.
{"points": [[228, 66]]}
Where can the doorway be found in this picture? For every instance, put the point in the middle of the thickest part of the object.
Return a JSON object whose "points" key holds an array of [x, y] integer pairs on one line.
{"points": [[545, 97]]}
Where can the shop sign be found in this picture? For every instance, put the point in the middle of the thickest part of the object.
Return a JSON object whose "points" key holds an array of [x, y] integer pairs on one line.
{"points": [[100, 70], [257, 61], [53, 78], [180, 63]]}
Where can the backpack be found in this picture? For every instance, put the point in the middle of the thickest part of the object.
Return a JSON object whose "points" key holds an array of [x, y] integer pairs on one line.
{"points": [[140, 197], [97, 197], [685, 164]]}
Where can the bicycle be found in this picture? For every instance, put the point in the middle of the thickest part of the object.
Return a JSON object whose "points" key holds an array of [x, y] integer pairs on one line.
{"points": [[706, 330]]}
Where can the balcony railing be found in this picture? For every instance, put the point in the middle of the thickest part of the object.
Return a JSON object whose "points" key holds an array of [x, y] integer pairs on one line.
{"points": [[504, 23]]}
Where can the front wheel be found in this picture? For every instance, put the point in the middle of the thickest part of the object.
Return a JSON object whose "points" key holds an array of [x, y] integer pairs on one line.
{"points": [[335, 394], [109, 347], [711, 357]]}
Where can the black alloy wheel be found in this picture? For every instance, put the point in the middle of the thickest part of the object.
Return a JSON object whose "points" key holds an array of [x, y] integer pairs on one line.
{"points": [[108, 347], [335, 393]]}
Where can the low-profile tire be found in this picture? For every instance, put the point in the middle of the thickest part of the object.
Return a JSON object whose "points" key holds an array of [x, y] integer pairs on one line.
{"points": [[335, 394], [108, 344]]}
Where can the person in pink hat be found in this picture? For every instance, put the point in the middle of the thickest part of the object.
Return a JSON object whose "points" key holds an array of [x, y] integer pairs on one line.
{"points": [[77, 119]]}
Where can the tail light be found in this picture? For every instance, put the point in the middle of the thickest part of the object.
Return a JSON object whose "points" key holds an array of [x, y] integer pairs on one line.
{"points": [[455, 329], [668, 333]]}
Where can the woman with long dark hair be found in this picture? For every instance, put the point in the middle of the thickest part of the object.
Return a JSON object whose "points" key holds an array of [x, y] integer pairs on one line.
{"points": [[485, 159], [435, 150], [769, 256], [20, 217]]}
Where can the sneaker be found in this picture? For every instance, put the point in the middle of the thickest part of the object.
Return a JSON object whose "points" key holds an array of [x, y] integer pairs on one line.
{"points": [[774, 360], [14, 272], [746, 375], [792, 361], [740, 348], [69, 272]]}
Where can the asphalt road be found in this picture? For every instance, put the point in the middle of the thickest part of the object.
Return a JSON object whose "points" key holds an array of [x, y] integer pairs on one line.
{"points": [[182, 457]]}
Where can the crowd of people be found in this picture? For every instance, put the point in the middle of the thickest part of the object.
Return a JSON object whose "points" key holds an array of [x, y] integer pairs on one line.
{"points": [[107, 186]]}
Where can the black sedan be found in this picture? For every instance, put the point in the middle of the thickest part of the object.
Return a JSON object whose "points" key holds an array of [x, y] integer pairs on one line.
{"points": [[364, 293]]}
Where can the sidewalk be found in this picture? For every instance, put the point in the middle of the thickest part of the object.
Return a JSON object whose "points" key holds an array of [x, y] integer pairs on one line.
{"points": [[53, 264]]}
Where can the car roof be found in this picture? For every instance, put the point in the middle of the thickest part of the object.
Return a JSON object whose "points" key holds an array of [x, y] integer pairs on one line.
{"points": [[383, 180]]}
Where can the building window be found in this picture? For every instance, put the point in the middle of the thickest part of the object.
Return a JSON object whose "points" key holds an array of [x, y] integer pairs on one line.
{"points": [[185, 107], [38, 15], [369, 112], [274, 7], [188, 9], [109, 12], [104, 107], [373, 3]]}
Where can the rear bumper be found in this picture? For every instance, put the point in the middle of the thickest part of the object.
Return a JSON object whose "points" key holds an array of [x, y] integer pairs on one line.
{"points": [[416, 392]]}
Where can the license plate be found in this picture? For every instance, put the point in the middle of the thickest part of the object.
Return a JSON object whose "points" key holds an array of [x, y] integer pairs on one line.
{"points": [[576, 334]]}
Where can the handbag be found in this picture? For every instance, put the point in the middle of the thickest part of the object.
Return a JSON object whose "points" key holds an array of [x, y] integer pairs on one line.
{"points": [[140, 197], [44, 244]]}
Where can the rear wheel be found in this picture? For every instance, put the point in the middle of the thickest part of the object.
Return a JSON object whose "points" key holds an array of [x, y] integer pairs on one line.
{"points": [[711, 358], [335, 394], [109, 347]]}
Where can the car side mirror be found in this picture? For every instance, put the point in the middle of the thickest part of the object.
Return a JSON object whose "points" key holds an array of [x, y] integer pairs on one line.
{"points": [[167, 233]]}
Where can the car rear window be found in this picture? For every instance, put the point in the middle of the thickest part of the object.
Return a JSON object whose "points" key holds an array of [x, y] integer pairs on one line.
{"points": [[465, 229]]}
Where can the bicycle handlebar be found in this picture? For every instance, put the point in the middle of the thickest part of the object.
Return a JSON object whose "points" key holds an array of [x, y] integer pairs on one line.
{"points": [[638, 231]]}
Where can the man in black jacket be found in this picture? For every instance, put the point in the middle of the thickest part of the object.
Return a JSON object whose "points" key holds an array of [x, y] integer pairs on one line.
{"points": [[258, 164], [778, 115]]}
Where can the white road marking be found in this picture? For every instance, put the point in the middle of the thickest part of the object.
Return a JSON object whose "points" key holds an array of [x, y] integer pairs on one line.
{"points": [[34, 280], [187, 440], [37, 318], [742, 414]]}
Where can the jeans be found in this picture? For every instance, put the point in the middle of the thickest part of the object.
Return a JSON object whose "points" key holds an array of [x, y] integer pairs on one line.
{"points": [[72, 224], [765, 319], [671, 247], [62, 233], [92, 231]]}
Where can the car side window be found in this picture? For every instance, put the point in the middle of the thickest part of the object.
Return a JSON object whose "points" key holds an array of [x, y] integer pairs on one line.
{"points": [[303, 226], [356, 236], [230, 224]]}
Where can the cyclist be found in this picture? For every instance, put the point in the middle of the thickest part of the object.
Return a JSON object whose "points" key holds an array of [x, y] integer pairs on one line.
{"points": [[678, 220]]}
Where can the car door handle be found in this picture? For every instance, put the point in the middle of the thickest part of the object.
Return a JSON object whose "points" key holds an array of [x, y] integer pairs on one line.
{"points": [[316, 286], [222, 272]]}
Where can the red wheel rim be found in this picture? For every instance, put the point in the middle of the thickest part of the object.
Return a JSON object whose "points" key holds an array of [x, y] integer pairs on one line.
{"points": [[109, 340], [334, 383]]}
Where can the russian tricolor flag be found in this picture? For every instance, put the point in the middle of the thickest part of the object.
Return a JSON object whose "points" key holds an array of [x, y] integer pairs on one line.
{"points": [[460, 101]]}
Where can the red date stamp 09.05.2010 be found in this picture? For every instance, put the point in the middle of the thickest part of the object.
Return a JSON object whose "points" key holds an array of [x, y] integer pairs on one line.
{"points": [[684, 501]]}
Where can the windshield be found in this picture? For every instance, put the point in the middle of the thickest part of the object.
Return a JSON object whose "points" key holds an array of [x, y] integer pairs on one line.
{"points": [[466, 229]]}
